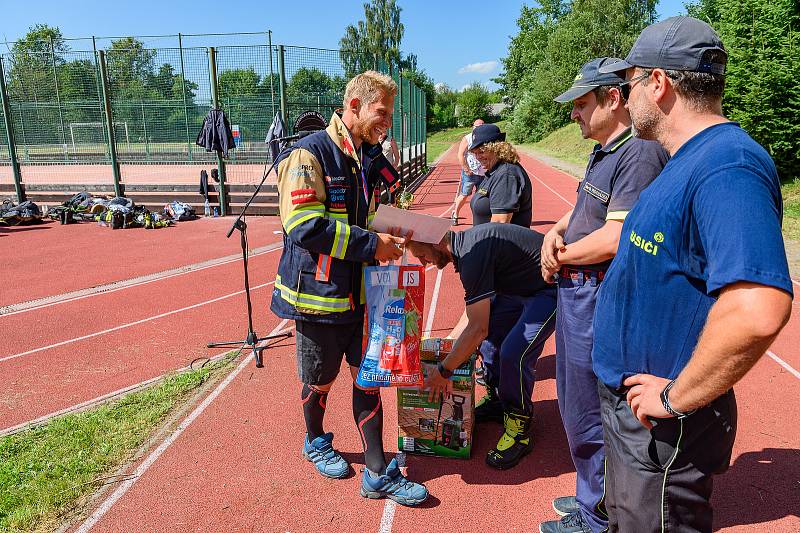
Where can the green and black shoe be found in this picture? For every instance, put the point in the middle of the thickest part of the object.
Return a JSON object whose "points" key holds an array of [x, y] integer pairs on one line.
{"points": [[514, 444], [489, 408]]}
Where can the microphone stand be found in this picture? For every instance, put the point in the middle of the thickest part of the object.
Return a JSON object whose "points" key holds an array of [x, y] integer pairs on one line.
{"points": [[252, 339]]}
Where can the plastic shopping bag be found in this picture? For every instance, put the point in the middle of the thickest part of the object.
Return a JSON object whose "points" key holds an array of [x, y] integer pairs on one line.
{"points": [[395, 299]]}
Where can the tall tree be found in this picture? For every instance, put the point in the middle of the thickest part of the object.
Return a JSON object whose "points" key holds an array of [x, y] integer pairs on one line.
{"points": [[31, 76], [571, 36], [373, 40], [130, 68], [762, 88], [309, 82], [473, 103]]}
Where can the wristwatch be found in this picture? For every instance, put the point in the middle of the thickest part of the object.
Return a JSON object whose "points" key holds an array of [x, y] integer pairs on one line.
{"points": [[667, 407], [443, 371]]}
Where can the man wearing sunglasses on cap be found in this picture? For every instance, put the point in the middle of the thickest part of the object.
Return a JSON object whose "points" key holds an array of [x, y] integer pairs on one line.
{"points": [[578, 251], [698, 290]]}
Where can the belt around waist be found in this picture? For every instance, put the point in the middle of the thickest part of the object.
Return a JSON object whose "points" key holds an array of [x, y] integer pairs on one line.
{"points": [[577, 273]]}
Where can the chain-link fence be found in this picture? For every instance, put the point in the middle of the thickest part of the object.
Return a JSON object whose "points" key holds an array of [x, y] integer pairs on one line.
{"points": [[131, 114]]}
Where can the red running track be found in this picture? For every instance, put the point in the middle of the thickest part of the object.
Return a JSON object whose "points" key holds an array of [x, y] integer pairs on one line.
{"points": [[237, 466]]}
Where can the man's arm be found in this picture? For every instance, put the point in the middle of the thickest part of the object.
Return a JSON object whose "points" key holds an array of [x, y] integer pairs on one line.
{"points": [[598, 246], [502, 218], [741, 326], [462, 159], [474, 333], [302, 195], [395, 153], [553, 242]]}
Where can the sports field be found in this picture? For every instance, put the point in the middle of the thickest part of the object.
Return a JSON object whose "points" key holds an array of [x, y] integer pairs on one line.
{"points": [[78, 324]]}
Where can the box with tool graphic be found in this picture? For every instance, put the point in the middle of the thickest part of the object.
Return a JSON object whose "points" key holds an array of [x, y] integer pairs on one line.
{"points": [[443, 427]]}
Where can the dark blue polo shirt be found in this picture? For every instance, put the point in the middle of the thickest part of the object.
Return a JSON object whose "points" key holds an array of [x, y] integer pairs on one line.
{"points": [[498, 258], [711, 219], [505, 189], [615, 175]]}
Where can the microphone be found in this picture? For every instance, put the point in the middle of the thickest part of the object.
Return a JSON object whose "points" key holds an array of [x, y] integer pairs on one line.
{"points": [[296, 136]]}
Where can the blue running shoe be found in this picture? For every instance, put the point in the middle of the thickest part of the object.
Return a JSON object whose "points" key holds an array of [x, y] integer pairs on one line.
{"points": [[327, 460], [393, 485]]}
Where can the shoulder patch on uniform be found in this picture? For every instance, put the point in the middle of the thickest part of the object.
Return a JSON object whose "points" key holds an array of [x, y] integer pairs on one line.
{"points": [[600, 194]]}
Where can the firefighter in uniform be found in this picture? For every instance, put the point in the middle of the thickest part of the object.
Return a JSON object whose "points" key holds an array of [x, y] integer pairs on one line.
{"points": [[329, 184]]}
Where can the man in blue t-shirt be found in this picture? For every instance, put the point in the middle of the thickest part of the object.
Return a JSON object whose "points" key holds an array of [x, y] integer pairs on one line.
{"points": [[698, 290], [578, 249]]}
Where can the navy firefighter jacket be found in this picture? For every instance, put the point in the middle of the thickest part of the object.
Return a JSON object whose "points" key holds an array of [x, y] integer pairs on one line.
{"points": [[327, 199]]}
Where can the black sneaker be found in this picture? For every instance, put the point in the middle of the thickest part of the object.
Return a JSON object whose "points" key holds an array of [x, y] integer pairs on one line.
{"points": [[565, 505], [489, 408], [572, 523], [514, 444]]}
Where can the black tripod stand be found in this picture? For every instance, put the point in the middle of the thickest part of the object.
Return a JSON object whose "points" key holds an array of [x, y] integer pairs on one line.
{"points": [[252, 339]]}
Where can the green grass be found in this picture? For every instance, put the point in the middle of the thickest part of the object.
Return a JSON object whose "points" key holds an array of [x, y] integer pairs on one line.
{"points": [[791, 209], [566, 144], [48, 472], [441, 140]]}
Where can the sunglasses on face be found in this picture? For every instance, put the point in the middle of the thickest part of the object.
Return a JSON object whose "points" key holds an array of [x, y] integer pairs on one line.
{"points": [[625, 86]]}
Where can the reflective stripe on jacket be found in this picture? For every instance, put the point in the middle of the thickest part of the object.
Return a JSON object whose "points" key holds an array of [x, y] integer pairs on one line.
{"points": [[326, 204]]}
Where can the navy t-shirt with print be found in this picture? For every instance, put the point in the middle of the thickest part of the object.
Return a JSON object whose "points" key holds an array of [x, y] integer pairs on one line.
{"points": [[498, 258], [505, 189], [615, 176], [711, 219]]}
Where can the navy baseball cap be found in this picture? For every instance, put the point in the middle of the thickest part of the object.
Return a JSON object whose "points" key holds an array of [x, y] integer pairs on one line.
{"points": [[589, 78], [677, 43], [485, 133]]}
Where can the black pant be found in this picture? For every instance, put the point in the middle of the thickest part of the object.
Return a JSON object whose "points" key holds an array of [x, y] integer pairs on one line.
{"points": [[661, 479]]}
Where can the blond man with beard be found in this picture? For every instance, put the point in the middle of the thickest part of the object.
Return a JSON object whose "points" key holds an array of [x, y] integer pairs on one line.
{"points": [[328, 185]]}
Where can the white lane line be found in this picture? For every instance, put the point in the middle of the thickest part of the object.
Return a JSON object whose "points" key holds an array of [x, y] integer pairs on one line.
{"points": [[551, 190], [126, 284], [387, 519], [434, 302], [130, 324], [784, 364], [147, 463]]}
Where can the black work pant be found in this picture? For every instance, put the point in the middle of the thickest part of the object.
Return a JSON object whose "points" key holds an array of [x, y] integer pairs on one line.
{"points": [[661, 479]]}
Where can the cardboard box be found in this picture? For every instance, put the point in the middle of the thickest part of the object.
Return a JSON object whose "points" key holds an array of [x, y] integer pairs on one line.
{"points": [[441, 428]]}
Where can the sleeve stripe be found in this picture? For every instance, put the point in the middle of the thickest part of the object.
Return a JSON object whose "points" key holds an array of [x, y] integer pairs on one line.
{"points": [[340, 240], [616, 215], [299, 218]]}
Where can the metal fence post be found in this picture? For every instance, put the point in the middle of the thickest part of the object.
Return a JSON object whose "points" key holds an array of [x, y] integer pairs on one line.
{"points": [[271, 74], [112, 137], [282, 84], [12, 150], [58, 94], [223, 192], [183, 90], [402, 130]]}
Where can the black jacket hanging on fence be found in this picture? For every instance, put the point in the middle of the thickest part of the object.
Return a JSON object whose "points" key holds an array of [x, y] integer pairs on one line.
{"points": [[276, 130], [216, 134]]}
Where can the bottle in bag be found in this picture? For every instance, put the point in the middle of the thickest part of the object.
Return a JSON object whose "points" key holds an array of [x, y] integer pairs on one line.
{"points": [[394, 328]]}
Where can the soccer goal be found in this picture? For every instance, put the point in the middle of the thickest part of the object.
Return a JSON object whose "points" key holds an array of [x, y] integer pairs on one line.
{"points": [[93, 133]]}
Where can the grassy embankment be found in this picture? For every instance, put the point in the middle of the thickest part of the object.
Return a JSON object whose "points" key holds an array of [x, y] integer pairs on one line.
{"points": [[48, 473], [441, 140]]}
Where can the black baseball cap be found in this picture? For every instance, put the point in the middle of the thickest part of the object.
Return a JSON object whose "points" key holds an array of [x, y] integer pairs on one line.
{"points": [[589, 78], [677, 43], [485, 133]]}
